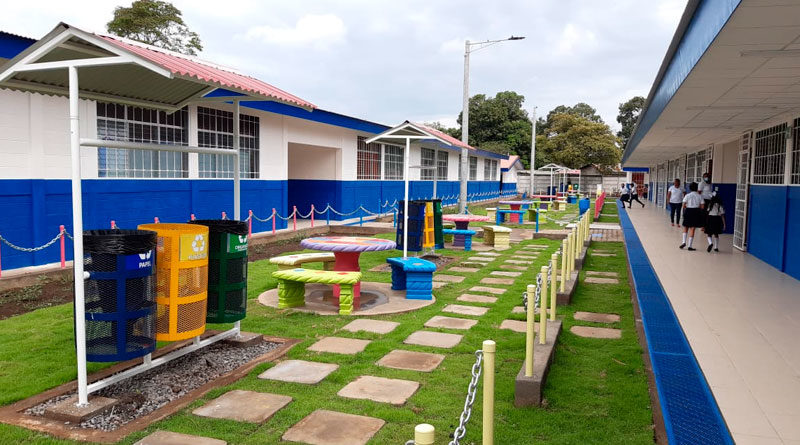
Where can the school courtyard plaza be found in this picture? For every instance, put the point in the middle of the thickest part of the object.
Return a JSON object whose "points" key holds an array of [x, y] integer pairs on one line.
{"points": [[254, 269]]}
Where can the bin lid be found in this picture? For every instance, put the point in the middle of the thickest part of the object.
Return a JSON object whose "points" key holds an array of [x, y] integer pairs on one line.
{"points": [[223, 225], [119, 241]]}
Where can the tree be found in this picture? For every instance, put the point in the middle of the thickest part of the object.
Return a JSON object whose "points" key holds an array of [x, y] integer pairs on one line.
{"points": [[627, 117], [575, 141], [156, 23], [580, 109]]}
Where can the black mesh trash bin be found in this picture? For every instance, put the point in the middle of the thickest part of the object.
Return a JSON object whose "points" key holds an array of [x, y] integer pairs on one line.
{"points": [[227, 269], [119, 294], [416, 225]]}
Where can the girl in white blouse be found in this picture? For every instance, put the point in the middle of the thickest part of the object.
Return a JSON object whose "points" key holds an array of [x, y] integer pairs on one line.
{"points": [[693, 215]]}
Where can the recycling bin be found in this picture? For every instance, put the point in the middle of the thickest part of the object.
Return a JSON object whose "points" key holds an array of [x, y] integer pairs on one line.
{"points": [[583, 206], [416, 225], [119, 294], [227, 269], [437, 221], [181, 280]]}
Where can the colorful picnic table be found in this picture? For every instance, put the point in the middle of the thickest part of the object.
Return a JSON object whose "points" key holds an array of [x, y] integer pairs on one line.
{"points": [[462, 221], [516, 205], [347, 250]]}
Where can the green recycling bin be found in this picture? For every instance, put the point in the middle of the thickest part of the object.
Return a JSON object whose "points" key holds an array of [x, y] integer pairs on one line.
{"points": [[437, 223], [227, 270]]}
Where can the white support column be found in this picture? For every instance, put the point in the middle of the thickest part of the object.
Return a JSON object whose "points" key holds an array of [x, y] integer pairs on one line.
{"points": [[77, 229], [787, 166], [405, 201], [236, 163]]}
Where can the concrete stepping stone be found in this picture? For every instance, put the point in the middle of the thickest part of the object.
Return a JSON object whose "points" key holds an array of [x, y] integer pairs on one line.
{"points": [[323, 427], [596, 317], [490, 290], [512, 267], [472, 264], [535, 247], [487, 254], [463, 269], [601, 274], [602, 254], [505, 281], [411, 360], [524, 256], [481, 259], [439, 321], [339, 345], [438, 284], [472, 298], [465, 310], [502, 273], [518, 262], [243, 406], [434, 339], [299, 371], [380, 389], [600, 280], [592, 332], [518, 326], [374, 326], [170, 438], [518, 310], [448, 278]]}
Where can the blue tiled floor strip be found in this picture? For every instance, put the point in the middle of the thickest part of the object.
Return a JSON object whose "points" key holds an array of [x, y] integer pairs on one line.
{"points": [[691, 414]]}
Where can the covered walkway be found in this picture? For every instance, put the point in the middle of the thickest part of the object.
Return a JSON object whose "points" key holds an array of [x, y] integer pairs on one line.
{"points": [[742, 320]]}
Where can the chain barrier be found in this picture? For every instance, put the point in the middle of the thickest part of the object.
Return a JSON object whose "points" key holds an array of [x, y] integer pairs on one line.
{"points": [[472, 390], [33, 249], [537, 296], [308, 215]]}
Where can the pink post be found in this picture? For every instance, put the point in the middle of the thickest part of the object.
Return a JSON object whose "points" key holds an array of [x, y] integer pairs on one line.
{"points": [[63, 258], [224, 216], [273, 220], [155, 220], [113, 224], [192, 216], [294, 218], [250, 224], [312, 216]]}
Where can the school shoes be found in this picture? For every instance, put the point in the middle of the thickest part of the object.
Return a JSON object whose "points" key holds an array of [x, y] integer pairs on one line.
{"points": [[691, 249], [716, 250], [710, 246], [682, 246]]}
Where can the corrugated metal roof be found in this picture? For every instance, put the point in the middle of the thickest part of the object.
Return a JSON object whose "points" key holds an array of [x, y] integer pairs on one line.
{"points": [[192, 68], [445, 136], [507, 163]]}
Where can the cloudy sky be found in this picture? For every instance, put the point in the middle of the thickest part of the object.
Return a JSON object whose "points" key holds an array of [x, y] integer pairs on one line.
{"points": [[388, 61]]}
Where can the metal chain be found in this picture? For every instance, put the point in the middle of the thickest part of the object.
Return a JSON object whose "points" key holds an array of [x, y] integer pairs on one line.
{"points": [[32, 249], [472, 390], [536, 296], [262, 220]]}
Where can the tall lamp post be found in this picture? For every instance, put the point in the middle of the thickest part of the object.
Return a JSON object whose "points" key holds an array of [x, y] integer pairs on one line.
{"points": [[533, 155], [470, 47]]}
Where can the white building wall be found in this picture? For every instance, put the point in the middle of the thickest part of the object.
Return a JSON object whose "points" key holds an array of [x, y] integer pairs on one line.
{"points": [[725, 162]]}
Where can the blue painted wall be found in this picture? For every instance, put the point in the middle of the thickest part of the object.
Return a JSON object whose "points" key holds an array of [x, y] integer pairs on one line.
{"points": [[773, 227], [32, 209]]}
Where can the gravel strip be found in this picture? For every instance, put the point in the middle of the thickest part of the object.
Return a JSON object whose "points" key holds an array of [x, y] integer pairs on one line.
{"points": [[142, 394]]}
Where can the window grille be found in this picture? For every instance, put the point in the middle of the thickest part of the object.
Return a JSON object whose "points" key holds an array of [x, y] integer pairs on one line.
{"points": [[368, 159], [393, 162], [442, 158], [117, 122], [215, 130], [428, 159], [473, 168], [769, 155], [796, 152]]}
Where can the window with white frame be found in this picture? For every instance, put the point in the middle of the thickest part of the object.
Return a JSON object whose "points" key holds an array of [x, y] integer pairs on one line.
{"points": [[489, 169], [368, 159], [215, 130], [427, 159], [393, 162], [117, 122], [473, 168], [691, 169], [494, 169], [442, 158], [796, 152], [769, 155]]}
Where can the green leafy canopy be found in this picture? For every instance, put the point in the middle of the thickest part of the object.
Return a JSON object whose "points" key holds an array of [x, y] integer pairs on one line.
{"points": [[156, 23]]}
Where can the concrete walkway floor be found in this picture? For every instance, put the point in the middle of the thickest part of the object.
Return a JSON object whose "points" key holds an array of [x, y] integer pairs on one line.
{"points": [[742, 319]]}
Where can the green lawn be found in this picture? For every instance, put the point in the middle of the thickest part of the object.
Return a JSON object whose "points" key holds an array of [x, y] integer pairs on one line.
{"points": [[596, 391]]}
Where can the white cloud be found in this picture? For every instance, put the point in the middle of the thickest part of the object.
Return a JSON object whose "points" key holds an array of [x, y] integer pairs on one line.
{"points": [[574, 37], [452, 46], [669, 12], [313, 30]]}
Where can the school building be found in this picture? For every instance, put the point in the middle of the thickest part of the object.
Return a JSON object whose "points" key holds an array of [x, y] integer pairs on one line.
{"points": [[292, 152], [726, 100]]}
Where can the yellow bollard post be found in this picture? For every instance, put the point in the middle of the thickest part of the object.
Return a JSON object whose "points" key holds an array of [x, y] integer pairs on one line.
{"points": [[423, 434], [543, 308], [529, 331], [571, 254], [488, 392], [554, 268], [576, 252], [563, 265]]}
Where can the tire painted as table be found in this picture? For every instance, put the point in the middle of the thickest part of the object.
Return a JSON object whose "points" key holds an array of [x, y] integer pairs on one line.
{"points": [[516, 205], [462, 221], [347, 250]]}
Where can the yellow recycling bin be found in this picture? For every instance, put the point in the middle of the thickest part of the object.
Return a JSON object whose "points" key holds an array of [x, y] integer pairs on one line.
{"points": [[181, 280]]}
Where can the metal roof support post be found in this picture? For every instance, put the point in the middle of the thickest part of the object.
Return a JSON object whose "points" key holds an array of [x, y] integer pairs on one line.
{"points": [[236, 181], [533, 155], [462, 196], [405, 202], [77, 229]]}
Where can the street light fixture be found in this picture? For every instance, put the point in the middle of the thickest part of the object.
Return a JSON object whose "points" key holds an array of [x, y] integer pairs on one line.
{"points": [[468, 48]]}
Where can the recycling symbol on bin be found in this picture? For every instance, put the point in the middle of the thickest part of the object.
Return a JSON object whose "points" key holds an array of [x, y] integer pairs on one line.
{"points": [[199, 243]]}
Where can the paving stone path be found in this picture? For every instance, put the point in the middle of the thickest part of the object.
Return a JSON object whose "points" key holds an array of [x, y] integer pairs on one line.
{"points": [[596, 317], [472, 264], [374, 326], [439, 321], [411, 360], [380, 389], [170, 438], [243, 406], [323, 427], [299, 371], [438, 284], [512, 267], [502, 273], [492, 254], [601, 274], [448, 278], [465, 310], [518, 262], [505, 281], [592, 332], [433, 339], [600, 280], [339, 345], [481, 259], [463, 269], [472, 298], [490, 290]]}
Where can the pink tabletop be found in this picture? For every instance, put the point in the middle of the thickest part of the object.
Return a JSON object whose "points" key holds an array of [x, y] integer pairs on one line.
{"points": [[347, 244], [463, 217]]}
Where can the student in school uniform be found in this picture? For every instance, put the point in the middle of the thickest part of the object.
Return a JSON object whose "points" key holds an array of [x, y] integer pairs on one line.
{"points": [[625, 194], [693, 215], [675, 200], [705, 190], [715, 222], [646, 191], [634, 195]]}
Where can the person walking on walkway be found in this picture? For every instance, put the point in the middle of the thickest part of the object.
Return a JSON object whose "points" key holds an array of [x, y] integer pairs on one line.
{"points": [[715, 222], [675, 200], [625, 194], [634, 195], [693, 215], [705, 190]]}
